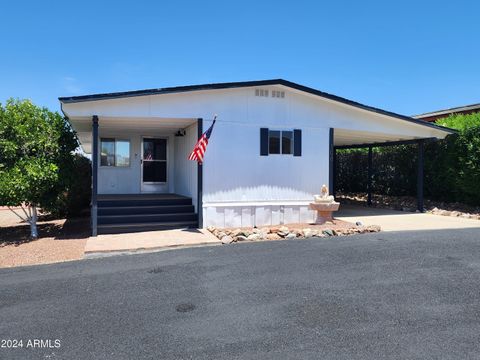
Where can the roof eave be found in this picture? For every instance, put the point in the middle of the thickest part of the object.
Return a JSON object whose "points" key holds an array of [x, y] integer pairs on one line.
{"points": [[230, 85]]}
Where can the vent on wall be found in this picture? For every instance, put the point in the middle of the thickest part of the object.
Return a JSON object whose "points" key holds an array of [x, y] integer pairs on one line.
{"points": [[266, 93], [261, 92], [278, 94]]}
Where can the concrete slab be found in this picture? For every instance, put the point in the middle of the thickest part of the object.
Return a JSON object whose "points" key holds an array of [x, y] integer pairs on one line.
{"points": [[391, 220], [150, 240]]}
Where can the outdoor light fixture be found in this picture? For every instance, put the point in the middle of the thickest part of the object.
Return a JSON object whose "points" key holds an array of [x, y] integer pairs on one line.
{"points": [[180, 132]]}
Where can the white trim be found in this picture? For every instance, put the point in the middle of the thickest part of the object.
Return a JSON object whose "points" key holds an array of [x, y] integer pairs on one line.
{"points": [[258, 203], [115, 139], [149, 186]]}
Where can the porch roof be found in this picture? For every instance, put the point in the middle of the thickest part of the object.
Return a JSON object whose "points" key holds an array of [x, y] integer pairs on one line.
{"points": [[120, 125]]}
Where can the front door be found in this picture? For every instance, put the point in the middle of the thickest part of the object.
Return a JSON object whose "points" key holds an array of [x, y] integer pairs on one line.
{"points": [[154, 165]]}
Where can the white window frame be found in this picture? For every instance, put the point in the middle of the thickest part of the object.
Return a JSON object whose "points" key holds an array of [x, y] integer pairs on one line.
{"points": [[115, 140]]}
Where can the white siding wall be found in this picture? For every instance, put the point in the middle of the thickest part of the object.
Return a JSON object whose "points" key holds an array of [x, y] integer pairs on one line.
{"points": [[240, 187], [186, 170]]}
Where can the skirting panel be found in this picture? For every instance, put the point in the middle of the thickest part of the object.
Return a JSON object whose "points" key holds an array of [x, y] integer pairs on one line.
{"points": [[258, 215]]}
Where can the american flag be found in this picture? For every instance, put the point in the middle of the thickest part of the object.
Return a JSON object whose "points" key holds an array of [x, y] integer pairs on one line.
{"points": [[201, 146]]}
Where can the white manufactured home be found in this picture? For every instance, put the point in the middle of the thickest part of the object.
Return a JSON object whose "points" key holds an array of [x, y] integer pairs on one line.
{"points": [[272, 148]]}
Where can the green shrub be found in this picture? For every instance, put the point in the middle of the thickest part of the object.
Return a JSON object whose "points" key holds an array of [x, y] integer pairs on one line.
{"points": [[75, 200]]}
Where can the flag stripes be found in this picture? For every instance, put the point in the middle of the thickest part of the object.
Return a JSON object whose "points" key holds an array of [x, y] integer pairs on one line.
{"points": [[200, 147]]}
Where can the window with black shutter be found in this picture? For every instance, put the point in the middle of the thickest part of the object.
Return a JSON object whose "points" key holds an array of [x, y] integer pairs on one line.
{"points": [[280, 142]]}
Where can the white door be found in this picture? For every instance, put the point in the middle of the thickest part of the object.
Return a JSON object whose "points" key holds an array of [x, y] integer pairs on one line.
{"points": [[154, 165]]}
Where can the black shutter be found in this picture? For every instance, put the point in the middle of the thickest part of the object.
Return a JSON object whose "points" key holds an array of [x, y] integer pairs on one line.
{"points": [[263, 141], [297, 142]]}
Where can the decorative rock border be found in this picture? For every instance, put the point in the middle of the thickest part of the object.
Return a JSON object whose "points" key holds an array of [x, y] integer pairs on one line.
{"points": [[454, 213], [228, 236]]}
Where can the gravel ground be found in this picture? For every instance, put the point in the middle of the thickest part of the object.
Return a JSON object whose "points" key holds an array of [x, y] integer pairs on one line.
{"points": [[60, 240]]}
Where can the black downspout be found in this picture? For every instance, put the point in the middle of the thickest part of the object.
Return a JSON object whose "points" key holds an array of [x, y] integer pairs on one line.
{"points": [[331, 161], [94, 173], [199, 178], [420, 176], [370, 173]]}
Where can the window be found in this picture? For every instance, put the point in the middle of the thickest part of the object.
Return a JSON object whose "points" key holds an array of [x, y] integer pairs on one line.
{"points": [[114, 152], [285, 142], [280, 142], [273, 142]]}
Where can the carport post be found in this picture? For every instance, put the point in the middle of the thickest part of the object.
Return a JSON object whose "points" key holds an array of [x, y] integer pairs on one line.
{"points": [[331, 160], [420, 165], [370, 172], [93, 215], [334, 171], [200, 178]]}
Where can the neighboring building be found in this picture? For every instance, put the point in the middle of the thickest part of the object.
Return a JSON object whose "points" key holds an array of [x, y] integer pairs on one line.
{"points": [[440, 114], [271, 150]]}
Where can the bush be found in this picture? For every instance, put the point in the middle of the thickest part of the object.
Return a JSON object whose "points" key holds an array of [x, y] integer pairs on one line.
{"points": [[75, 200], [36, 153], [451, 173]]}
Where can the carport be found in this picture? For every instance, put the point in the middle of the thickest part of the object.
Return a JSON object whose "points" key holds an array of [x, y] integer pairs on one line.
{"points": [[346, 139]]}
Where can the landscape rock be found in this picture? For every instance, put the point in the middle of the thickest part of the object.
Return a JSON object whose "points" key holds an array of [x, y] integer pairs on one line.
{"points": [[373, 228], [227, 239], [307, 232], [273, 236], [253, 237], [328, 232], [241, 238], [265, 230], [290, 236], [236, 232]]}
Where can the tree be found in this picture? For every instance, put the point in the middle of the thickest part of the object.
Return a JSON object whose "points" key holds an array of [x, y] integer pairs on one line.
{"points": [[36, 148]]}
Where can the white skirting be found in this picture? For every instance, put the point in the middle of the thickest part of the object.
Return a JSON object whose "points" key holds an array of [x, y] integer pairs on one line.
{"points": [[256, 214]]}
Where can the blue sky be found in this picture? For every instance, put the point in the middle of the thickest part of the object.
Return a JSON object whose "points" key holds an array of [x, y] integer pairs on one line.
{"points": [[403, 56]]}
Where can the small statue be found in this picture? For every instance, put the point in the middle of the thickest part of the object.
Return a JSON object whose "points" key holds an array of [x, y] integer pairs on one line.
{"points": [[324, 205], [324, 196], [324, 191]]}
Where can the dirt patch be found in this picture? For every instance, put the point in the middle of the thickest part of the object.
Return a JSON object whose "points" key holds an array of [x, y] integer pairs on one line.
{"points": [[59, 240]]}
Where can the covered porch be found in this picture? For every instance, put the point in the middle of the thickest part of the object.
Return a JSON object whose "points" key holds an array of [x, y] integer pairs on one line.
{"points": [[142, 179]]}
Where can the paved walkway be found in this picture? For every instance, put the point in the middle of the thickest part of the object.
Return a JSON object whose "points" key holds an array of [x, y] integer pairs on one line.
{"points": [[391, 220], [150, 240]]}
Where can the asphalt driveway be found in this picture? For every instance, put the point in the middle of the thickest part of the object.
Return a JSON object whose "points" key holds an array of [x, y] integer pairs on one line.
{"points": [[386, 295]]}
